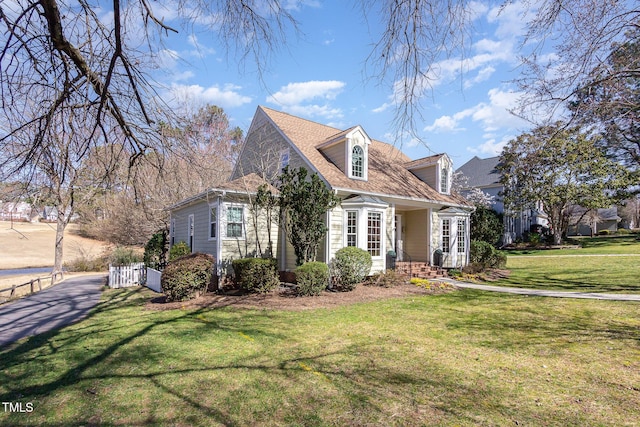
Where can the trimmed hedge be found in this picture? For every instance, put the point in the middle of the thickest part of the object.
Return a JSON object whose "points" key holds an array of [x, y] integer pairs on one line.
{"points": [[312, 278], [259, 275], [484, 255], [350, 266], [187, 277]]}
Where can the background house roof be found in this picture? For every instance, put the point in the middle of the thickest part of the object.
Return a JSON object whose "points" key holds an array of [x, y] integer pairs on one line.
{"points": [[387, 173], [481, 172]]}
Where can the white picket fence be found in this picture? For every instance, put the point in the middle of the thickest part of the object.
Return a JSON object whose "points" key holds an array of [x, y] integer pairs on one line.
{"points": [[123, 276], [153, 280]]}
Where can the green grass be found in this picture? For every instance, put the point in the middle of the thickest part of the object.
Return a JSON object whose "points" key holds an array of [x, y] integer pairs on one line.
{"points": [[464, 358], [602, 264], [626, 244]]}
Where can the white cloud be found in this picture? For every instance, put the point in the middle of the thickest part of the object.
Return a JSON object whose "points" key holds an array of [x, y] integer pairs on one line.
{"points": [[226, 97], [510, 18], [496, 114], [491, 147], [483, 75], [444, 124], [315, 111], [297, 93], [302, 98]]}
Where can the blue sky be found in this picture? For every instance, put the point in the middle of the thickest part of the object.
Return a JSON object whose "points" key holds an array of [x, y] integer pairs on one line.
{"points": [[320, 76]]}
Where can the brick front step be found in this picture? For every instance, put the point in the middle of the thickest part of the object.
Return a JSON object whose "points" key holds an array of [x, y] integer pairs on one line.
{"points": [[421, 270]]}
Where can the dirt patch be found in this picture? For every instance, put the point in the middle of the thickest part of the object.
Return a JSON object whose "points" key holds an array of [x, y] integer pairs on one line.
{"points": [[285, 299]]}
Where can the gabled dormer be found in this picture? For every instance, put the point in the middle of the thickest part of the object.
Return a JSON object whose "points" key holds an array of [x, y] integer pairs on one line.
{"points": [[349, 151], [436, 171]]}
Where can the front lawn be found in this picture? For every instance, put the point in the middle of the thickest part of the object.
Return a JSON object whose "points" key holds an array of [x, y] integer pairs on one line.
{"points": [[465, 358], [603, 264]]}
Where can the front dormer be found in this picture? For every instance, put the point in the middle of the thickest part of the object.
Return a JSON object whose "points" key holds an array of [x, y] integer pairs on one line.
{"points": [[349, 151], [436, 171]]}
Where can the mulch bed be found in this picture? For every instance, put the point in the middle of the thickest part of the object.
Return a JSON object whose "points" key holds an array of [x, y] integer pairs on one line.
{"points": [[285, 298]]}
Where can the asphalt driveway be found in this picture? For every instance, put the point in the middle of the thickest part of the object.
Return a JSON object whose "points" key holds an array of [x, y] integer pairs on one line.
{"points": [[52, 308]]}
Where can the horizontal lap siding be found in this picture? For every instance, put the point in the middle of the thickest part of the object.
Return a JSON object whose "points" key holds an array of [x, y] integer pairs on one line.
{"points": [[201, 242], [416, 235]]}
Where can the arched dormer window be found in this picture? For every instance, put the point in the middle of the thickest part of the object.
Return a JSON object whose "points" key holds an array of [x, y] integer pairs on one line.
{"points": [[444, 180], [357, 162]]}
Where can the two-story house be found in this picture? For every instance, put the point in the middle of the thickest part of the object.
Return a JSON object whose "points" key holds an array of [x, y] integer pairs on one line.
{"points": [[484, 175], [390, 204]]}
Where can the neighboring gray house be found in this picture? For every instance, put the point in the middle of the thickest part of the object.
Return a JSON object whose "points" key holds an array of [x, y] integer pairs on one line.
{"points": [[483, 174], [389, 202], [587, 222]]}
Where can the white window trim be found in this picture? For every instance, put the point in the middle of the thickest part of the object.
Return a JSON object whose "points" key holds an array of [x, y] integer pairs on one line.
{"points": [[217, 226], [243, 223], [351, 142], [362, 232], [345, 240], [444, 165], [446, 250], [191, 232], [382, 232]]}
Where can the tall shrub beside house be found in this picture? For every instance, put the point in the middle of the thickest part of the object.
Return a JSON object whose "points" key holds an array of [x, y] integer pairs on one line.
{"points": [[312, 278], [304, 202], [155, 251], [350, 266], [256, 274], [187, 277]]}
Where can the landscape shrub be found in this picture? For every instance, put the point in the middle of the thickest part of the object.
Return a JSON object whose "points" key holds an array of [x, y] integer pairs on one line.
{"points": [[603, 233], [187, 277], [155, 251], [178, 250], [312, 278], [484, 255], [85, 262], [124, 256], [386, 279], [350, 266], [256, 274]]}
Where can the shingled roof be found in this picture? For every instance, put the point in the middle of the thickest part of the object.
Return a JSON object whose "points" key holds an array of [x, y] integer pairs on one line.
{"points": [[387, 171], [481, 172]]}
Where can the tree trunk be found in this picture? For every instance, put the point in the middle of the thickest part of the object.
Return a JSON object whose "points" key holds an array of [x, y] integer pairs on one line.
{"points": [[61, 225]]}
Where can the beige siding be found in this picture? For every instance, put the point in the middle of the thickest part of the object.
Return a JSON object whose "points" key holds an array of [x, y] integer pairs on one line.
{"points": [[337, 220], [428, 175], [250, 244], [416, 235], [336, 153]]}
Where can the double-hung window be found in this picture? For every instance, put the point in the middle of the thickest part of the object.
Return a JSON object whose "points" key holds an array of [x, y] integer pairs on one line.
{"points": [[352, 228], [374, 233], [234, 221], [446, 235], [357, 162], [462, 240], [444, 180]]}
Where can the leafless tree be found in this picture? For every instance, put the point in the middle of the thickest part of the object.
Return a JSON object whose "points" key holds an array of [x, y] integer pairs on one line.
{"points": [[53, 52], [416, 36], [566, 43]]}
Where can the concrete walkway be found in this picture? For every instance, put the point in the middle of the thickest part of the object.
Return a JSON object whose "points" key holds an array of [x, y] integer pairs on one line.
{"points": [[52, 308], [545, 293]]}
